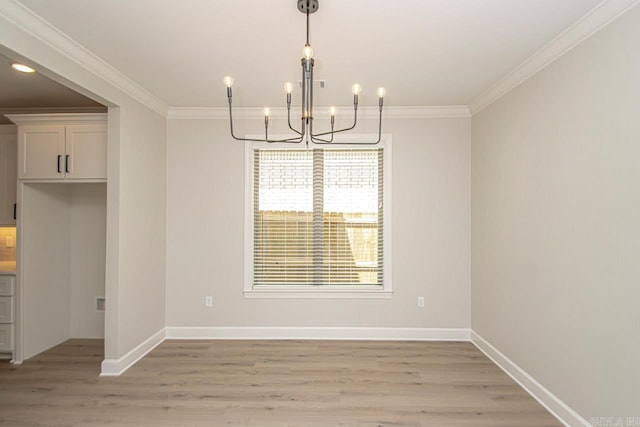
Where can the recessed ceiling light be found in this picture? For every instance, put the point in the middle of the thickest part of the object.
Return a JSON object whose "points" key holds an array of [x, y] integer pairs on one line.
{"points": [[23, 68]]}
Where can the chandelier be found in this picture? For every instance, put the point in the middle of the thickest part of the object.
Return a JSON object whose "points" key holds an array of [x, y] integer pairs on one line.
{"points": [[306, 132]]}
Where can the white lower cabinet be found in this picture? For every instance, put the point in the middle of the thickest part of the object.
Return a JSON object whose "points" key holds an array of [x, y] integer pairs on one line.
{"points": [[6, 338], [7, 308], [7, 285]]}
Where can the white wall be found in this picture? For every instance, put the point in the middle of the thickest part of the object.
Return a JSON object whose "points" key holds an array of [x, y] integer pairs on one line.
{"points": [[87, 244], [142, 227], [431, 220], [45, 292], [555, 230]]}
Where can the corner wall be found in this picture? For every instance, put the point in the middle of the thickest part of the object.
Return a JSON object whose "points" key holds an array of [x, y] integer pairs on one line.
{"points": [[555, 231], [143, 207]]}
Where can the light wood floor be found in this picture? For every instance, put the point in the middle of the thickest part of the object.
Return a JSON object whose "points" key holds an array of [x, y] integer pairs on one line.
{"points": [[269, 383]]}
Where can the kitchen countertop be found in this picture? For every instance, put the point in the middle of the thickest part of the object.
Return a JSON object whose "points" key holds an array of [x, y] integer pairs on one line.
{"points": [[7, 267]]}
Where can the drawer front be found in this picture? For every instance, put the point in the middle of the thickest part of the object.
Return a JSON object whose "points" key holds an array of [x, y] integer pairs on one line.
{"points": [[6, 337], [7, 285], [6, 309]]}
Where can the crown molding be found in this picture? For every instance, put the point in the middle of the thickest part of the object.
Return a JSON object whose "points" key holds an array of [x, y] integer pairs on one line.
{"points": [[30, 22], [51, 110], [586, 26], [66, 118], [222, 113]]}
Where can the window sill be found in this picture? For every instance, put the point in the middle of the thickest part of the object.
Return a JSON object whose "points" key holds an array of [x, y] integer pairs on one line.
{"points": [[318, 292]]}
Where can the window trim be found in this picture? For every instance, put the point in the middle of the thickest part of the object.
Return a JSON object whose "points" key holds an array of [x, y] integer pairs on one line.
{"points": [[317, 291]]}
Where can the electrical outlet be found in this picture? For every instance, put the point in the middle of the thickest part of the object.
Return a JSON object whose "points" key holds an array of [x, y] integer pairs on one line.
{"points": [[420, 302], [208, 301]]}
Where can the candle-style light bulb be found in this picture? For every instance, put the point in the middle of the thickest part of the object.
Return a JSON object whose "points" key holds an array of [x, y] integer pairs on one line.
{"points": [[228, 81], [307, 51], [332, 110], [381, 92], [356, 89], [288, 87], [266, 112]]}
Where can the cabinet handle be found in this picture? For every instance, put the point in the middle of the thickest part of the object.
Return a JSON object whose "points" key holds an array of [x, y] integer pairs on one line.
{"points": [[59, 158], [15, 206], [66, 163]]}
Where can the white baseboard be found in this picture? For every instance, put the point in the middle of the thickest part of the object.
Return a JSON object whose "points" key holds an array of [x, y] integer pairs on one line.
{"points": [[115, 367], [311, 333], [552, 403]]}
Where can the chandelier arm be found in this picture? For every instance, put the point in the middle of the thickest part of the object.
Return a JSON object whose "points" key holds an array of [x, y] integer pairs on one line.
{"points": [[289, 121], [359, 143], [369, 143], [321, 141], [355, 121], [293, 140], [231, 118]]}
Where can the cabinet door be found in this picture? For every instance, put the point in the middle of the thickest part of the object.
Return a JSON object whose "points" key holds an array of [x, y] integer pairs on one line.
{"points": [[86, 151], [7, 285], [41, 152], [6, 309], [8, 178], [6, 337]]}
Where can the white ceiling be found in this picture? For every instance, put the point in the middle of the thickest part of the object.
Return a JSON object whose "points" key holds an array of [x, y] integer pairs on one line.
{"points": [[34, 92], [425, 52]]}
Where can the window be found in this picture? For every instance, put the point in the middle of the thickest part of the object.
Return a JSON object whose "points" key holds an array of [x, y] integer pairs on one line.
{"points": [[316, 221]]}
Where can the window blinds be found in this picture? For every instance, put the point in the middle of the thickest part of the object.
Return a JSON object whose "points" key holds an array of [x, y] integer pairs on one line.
{"points": [[318, 217]]}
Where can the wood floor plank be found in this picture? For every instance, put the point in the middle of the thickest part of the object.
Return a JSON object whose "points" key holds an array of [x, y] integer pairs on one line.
{"points": [[268, 383]]}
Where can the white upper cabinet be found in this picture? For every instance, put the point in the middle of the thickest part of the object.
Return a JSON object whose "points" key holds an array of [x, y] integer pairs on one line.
{"points": [[41, 151], [86, 151], [62, 146], [8, 177]]}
